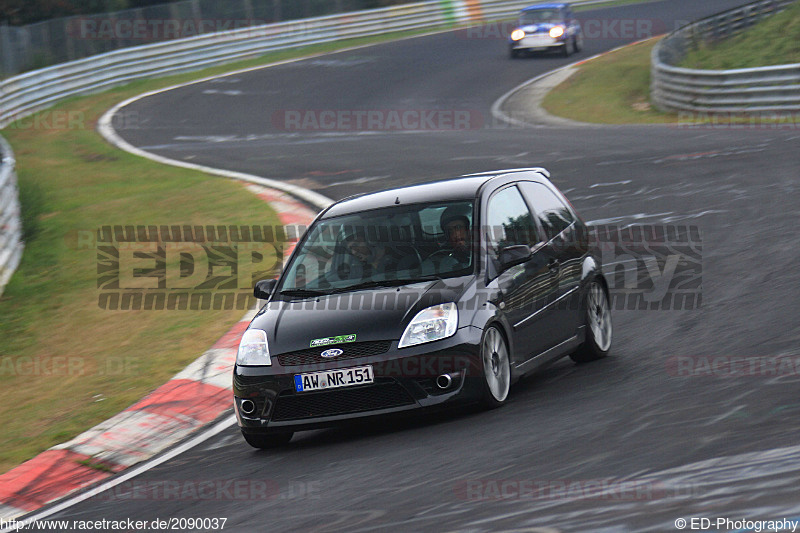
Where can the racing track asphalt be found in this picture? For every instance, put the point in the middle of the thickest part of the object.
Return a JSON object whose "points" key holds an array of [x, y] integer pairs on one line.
{"points": [[687, 446]]}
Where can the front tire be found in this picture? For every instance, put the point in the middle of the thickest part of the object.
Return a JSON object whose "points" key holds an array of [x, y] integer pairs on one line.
{"points": [[598, 326], [496, 368], [266, 441], [569, 46]]}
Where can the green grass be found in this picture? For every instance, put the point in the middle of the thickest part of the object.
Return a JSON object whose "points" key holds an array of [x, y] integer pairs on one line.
{"points": [[71, 183], [773, 41], [612, 89], [615, 88]]}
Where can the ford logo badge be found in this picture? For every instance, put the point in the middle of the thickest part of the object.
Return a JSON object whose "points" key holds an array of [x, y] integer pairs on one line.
{"points": [[334, 352]]}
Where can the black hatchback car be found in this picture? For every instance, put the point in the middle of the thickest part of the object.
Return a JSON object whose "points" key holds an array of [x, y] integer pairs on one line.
{"points": [[422, 296]]}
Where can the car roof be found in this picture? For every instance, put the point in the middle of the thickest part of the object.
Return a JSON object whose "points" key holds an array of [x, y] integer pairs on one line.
{"points": [[461, 188], [545, 6]]}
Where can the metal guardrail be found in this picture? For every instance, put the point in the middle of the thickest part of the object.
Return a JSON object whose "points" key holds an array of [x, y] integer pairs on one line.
{"points": [[58, 40], [10, 225], [29, 92], [23, 94], [773, 89]]}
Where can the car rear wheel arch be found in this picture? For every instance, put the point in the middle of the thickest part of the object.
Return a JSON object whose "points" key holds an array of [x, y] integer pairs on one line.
{"points": [[589, 350]]}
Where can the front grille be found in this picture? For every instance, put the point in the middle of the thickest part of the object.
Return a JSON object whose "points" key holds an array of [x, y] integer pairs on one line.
{"points": [[351, 351], [298, 406]]}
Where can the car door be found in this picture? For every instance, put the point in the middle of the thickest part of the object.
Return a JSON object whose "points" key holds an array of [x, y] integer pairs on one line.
{"points": [[559, 224], [526, 290]]}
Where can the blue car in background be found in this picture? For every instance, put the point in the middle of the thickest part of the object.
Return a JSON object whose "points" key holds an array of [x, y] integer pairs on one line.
{"points": [[544, 28]]}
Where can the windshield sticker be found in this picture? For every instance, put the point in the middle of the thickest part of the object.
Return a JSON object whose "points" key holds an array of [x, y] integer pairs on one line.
{"points": [[339, 339]]}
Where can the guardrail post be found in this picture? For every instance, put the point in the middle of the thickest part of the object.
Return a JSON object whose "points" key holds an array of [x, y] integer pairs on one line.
{"points": [[197, 13], [248, 12]]}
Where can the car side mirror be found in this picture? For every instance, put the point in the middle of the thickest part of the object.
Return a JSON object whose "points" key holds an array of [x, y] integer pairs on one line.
{"points": [[514, 255], [263, 289]]}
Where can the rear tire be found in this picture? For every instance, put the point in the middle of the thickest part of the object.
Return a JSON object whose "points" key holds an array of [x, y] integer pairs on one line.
{"points": [[597, 343], [266, 441], [496, 368]]}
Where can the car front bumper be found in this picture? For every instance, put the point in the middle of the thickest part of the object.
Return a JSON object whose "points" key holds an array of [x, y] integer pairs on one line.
{"points": [[404, 379], [538, 43]]}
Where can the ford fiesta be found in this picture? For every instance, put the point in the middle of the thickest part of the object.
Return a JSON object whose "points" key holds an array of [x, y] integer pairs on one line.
{"points": [[544, 28], [418, 297]]}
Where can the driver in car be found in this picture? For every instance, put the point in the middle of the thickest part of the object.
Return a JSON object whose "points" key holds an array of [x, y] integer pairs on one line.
{"points": [[456, 227], [456, 253]]}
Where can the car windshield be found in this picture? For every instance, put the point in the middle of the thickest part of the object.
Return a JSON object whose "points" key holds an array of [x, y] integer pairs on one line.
{"points": [[382, 247], [537, 16]]}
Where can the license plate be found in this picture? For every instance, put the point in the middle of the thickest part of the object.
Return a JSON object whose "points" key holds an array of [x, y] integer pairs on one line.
{"points": [[537, 42], [333, 379]]}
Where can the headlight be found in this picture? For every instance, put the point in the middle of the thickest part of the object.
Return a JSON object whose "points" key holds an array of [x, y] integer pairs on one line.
{"points": [[431, 324], [556, 32], [253, 349], [516, 35]]}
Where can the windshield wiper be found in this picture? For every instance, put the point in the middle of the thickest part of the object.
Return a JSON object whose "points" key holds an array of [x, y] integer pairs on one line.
{"points": [[386, 283], [303, 292]]}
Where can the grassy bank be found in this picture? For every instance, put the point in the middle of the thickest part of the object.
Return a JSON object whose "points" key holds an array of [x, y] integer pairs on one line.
{"points": [[65, 363], [773, 41], [612, 89], [615, 88]]}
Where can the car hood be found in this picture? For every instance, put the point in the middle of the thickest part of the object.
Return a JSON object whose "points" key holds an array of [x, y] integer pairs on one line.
{"points": [[541, 27], [369, 315]]}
